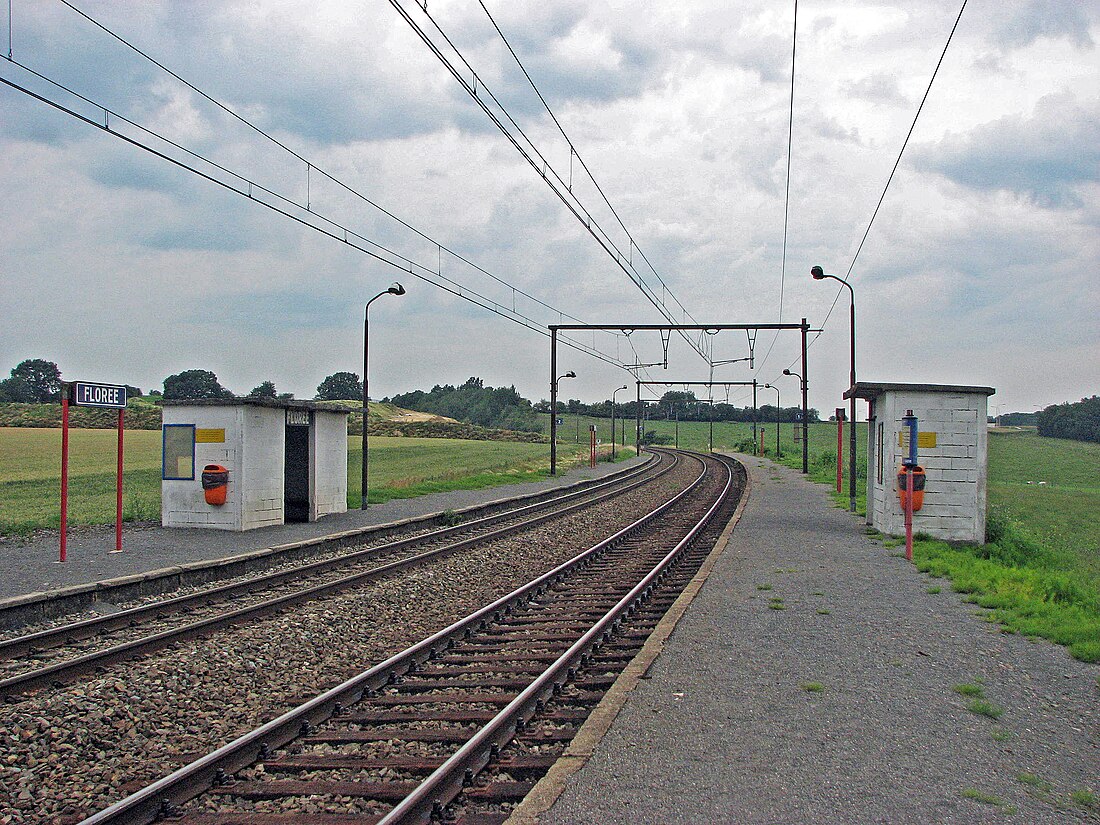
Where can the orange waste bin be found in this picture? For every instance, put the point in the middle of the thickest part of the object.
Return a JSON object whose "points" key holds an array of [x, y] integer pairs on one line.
{"points": [[918, 488], [215, 482]]}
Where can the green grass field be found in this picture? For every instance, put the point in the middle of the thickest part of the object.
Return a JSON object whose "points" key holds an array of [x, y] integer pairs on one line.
{"points": [[400, 468]]}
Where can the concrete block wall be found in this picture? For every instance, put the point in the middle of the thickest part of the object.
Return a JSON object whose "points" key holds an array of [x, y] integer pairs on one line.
{"points": [[329, 464], [956, 468], [254, 451], [262, 468], [182, 502]]}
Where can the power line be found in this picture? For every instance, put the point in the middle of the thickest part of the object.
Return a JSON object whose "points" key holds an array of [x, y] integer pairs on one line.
{"points": [[538, 161], [255, 192], [882, 197], [897, 162], [577, 155], [787, 193], [309, 164]]}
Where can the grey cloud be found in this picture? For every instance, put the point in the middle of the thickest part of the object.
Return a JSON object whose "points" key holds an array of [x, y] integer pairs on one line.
{"points": [[1043, 157], [877, 88], [1023, 25], [276, 312]]}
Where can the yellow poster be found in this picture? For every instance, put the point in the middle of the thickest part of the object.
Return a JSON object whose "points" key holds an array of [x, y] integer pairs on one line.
{"points": [[925, 441]]}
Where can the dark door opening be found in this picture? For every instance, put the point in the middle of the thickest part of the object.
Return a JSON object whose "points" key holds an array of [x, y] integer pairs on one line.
{"points": [[296, 475]]}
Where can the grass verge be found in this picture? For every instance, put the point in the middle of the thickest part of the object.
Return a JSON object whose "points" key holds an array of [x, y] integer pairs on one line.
{"points": [[1023, 587]]}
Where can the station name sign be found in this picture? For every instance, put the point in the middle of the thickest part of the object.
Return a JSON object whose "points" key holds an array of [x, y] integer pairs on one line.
{"points": [[297, 418], [87, 394]]}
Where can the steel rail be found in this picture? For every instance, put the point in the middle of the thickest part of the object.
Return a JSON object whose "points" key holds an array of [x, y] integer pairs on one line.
{"points": [[70, 668], [161, 797], [95, 625], [447, 781]]}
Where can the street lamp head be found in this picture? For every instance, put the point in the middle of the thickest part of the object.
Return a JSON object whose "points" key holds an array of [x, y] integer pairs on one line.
{"points": [[396, 289], [570, 374], [786, 372], [767, 386], [624, 387], [818, 273]]}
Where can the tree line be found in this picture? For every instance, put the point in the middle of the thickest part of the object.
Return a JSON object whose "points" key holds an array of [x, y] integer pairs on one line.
{"points": [[499, 408], [1079, 421], [683, 405], [38, 381]]}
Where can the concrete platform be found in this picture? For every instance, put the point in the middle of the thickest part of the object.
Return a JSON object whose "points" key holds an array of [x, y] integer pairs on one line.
{"points": [[838, 707]]}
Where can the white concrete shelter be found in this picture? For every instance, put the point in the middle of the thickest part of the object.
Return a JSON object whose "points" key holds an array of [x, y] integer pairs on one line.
{"points": [[287, 461], [951, 447]]}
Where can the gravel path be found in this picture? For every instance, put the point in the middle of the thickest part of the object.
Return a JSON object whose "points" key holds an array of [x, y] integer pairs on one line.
{"points": [[730, 725], [66, 753]]}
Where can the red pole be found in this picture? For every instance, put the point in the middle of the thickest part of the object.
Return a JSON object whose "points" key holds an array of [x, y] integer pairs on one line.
{"points": [[839, 453], [64, 469], [592, 447], [762, 440], [118, 489], [909, 513]]}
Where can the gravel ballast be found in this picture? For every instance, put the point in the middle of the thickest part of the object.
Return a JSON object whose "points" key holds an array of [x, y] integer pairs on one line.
{"points": [[839, 702], [66, 753]]}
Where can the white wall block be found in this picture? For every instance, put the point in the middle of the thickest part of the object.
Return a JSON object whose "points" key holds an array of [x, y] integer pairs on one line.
{"points": [[955, 491], [248, 437]]}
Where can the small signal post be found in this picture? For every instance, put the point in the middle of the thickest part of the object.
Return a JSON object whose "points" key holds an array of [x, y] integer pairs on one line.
{"points": [[89, 394]]}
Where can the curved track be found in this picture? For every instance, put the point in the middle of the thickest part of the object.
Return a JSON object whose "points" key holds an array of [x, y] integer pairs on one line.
{"points": [[58, 654], [459, 724]]}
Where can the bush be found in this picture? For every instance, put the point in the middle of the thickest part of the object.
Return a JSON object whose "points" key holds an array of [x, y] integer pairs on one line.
{"points": [[140, 415]]}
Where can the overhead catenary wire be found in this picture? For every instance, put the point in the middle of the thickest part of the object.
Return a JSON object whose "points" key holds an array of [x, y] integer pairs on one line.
{"points": [[254, 191], [897, 161], [574, 152], [889, 180], [310, 165], [535, 158], [787, 188]]}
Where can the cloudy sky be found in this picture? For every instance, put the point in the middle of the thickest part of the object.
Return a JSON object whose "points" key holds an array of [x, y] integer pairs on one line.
{"points": [[980, 267]]}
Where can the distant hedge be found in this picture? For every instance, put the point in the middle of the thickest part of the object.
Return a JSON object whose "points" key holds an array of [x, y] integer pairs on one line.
{"points": [[1080, 421], [140, 415], [445, 429], [145, 415]]}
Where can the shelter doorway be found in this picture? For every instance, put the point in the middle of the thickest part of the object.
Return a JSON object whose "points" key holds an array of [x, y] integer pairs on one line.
{"points": [[296, 487]]}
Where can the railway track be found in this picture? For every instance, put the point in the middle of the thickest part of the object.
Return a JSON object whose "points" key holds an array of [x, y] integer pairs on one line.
{"points": [[460, 725], [55, 655]]}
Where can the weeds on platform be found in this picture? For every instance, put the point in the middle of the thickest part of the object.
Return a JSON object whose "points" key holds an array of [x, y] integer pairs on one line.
{"points": [[967, 689], [1024, 587], [1034, 781], [1001, 734], [1085, 798], [982, 796], [812, 687], [983, 707]]}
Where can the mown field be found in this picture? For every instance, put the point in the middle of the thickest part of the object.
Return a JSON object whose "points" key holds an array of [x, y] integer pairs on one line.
{"points": [[400, 468]]}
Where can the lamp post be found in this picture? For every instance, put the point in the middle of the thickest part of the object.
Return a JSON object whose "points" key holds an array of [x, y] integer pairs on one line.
{"points": [[819, 275], [805, 423], [395, 289], [554, 420], [623, 387], [778, 410]]}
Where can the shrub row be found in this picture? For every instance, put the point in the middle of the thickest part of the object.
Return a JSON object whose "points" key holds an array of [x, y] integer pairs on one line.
{"points": [[445, 429], [140, 415]]}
